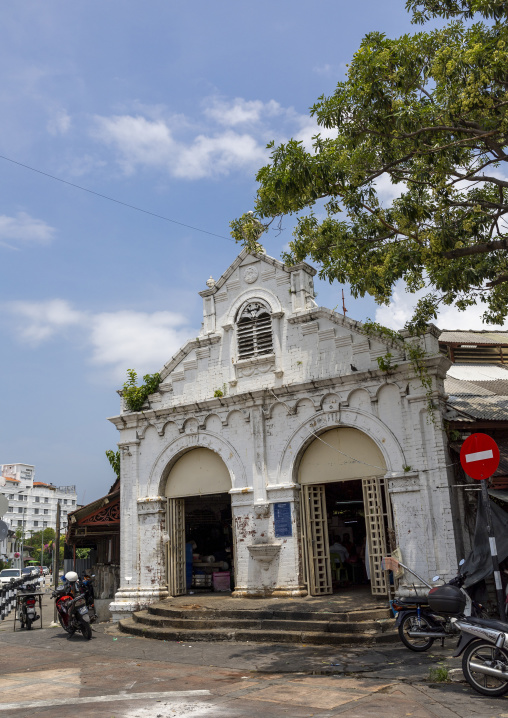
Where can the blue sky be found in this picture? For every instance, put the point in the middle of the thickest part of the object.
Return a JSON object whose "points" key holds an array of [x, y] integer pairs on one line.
{"points": [[167, 106]]}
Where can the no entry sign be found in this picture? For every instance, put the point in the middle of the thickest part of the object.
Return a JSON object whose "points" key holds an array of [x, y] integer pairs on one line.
{"points": [[479, 456]]}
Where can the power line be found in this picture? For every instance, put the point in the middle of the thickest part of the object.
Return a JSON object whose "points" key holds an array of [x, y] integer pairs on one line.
{"points": [[117, 201]]}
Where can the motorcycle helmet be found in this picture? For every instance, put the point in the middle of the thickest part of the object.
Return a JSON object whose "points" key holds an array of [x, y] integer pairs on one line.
{"points": [[71, 576]]}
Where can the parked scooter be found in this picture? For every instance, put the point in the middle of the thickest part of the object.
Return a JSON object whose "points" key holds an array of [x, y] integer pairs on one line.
{"points": [[71, 606], [423, 619], [26, 606], [485, 659]]}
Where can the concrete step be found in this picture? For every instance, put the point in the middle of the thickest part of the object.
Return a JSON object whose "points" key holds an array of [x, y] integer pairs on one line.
{"points": [[191, 622], [135, 627], [167, 611]]}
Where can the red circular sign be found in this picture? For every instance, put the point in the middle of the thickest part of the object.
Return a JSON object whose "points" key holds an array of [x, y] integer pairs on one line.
{"points": [[479, 456]]}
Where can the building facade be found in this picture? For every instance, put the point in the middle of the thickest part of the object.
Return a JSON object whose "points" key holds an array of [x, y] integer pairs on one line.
{"points": [[274, 432], [32, 503]]}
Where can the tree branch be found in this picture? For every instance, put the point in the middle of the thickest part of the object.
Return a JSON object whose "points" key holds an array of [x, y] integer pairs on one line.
{"points": [[476, 249]]}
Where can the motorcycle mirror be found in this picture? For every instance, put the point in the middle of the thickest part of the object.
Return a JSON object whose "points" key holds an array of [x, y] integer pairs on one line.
{"points": [[436, 578], [462, 562]]}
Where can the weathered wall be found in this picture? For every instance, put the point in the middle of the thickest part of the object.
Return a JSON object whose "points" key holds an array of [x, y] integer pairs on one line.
{"points": [[322, 374]]}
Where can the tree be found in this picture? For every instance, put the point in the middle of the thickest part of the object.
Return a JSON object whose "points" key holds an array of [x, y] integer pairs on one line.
{"points": [[428, 114]]}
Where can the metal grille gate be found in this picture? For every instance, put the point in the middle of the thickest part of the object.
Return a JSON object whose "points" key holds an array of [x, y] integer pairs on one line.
{"points": [[315, 544], [175, 518], [315, 540], [378, 522]]}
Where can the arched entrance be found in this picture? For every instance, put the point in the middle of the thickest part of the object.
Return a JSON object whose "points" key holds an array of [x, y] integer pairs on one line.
{"points": [[200, 546], [344, 493]]}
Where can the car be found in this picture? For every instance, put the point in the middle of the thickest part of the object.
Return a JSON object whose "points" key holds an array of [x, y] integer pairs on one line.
{"points": [[32, 571], [45, 570], [8, 574], [37, 569]]}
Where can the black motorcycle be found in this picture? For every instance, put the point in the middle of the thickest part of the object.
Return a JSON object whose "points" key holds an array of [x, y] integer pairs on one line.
{"points": [[27, 612], [423, 619]]}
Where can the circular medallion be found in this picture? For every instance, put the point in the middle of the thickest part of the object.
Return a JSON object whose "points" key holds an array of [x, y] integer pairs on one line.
{"points": [[250, 275]]}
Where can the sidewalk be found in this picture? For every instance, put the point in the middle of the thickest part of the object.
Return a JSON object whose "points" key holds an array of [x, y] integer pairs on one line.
{"points": [[119, 676]]}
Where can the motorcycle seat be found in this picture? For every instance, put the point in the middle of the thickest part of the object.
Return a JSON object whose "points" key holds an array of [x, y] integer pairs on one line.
{"points": [[488, 623], [413, 599]]}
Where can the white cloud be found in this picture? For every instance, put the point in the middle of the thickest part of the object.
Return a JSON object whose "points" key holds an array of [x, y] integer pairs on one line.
{"points": [[240, 111], [400, 310], [142, 142], [41, 320], [117, 340], [232, 136], [25, 229], [60, 123], [128, 339]]}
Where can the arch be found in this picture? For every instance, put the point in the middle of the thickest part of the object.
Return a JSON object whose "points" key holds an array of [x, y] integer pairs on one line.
{"points": [[304, 435], [323, 463], [198, 472], [359, 399], [250, 294], [184, 443]]}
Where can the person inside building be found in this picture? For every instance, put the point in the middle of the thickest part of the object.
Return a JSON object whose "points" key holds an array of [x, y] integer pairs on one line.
{"points": [[337, 548], [348, 544]]}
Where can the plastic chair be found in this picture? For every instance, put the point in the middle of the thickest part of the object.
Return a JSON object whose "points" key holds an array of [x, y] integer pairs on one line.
{"points": [[338, 567]]}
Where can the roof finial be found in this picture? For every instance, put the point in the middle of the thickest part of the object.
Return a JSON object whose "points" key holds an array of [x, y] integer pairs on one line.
{"points": [[210, 282]]}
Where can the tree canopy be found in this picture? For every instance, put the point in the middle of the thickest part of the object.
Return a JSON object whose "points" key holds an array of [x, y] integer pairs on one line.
{"points": [[426, 116]]}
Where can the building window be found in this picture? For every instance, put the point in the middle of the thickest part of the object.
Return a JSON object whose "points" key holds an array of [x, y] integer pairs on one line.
{"points": [[45, 524], [11, 496], [254, 331], [36, 511], [20, 523], [65, 501], [20, 509], [37, 499], [36, 523], [23, 498], [46, 511], [46, 500]]}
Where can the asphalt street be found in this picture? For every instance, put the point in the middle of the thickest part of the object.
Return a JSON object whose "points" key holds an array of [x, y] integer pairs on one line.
{"points": [[44, 672]]}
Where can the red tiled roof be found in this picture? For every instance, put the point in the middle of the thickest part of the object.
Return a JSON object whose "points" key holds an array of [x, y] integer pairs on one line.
{"points": [[8, 478]]}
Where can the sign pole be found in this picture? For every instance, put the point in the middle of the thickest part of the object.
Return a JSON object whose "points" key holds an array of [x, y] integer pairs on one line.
{"points": [[493, 551], [479, 457]]}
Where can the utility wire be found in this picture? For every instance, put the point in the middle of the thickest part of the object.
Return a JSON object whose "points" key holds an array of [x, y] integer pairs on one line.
{"points": [[358, 461], [117, 201]]}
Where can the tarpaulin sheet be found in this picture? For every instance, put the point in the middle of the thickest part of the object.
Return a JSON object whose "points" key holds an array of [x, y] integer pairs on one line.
{"points": [[478, 564]]}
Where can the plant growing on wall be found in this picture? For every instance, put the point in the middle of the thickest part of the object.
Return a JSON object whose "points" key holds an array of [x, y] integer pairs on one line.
{"points": [[134, 395], [414, 352], [114, 460]]}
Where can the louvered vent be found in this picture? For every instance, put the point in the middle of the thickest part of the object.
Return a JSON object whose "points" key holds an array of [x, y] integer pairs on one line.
{"points": [[254, 331]]}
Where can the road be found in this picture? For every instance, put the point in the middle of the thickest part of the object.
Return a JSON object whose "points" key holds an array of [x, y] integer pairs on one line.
{"points": [[44, 672]]}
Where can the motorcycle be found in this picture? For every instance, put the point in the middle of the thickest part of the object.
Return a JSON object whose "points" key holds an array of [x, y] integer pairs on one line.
{"points": [[71, 606], [423, 619], [485, 659], [26, 606]]}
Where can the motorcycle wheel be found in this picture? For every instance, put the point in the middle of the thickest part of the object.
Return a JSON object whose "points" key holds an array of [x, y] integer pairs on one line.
{"points": [[483, 652], [86, 630], [410, 623], [28, 624], [69, 629]]}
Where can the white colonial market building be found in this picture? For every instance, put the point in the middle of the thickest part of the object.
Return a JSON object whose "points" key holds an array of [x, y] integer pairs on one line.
{"points": [[270, 430]]}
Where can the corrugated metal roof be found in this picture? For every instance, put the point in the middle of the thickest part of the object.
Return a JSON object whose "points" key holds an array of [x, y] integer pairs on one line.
{"points": [[478, 372], [472, 337], [456, 387], [490, 408]]}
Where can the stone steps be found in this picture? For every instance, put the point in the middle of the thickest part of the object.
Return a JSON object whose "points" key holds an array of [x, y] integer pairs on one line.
{"points": [[194, 624], [137, 628], [164, 622]]}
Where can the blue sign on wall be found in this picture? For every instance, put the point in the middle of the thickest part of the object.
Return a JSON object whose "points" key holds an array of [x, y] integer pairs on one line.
{"points": [[282, 519]]}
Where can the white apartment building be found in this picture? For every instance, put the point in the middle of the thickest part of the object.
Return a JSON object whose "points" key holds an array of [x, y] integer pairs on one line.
{"points": [[32, 504]]}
